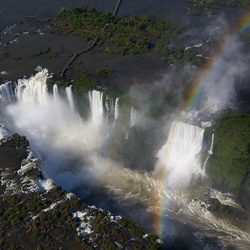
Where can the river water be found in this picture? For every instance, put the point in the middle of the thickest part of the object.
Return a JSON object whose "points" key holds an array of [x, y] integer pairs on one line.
{"points": [[131, 195], [20, 38]]}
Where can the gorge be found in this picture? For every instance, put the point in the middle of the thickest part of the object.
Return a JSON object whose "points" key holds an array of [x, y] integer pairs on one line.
{"points": [[152, 125], [76, 152]]}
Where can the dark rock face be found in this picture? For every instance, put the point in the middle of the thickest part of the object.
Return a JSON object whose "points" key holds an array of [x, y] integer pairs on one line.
{"points": [[13, 151], [54, 219]]}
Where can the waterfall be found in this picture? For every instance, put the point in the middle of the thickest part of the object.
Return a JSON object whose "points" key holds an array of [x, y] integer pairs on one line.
{"points": [[108, 105], [56, 95], [50, 121], [132, 117], [52, 124], [28, 90], [7, 95], [210, 152], [132, 121], [57, 104], [70, 98], [179, 158], [76, 153], [116, 112], [96, 107], [111, 108]]}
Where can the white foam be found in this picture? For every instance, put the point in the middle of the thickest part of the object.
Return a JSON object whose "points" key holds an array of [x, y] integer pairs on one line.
{"points": [[46, 184], [180, 156]]}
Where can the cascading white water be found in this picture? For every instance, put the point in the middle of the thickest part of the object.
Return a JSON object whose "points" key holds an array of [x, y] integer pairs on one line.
{"points": [[33, 92], [7, 95], [180, 156], [132, 117], [210, 152], [55, 94], [53, 126], [56, 99], [116, 111], [108, 103], [70, 98], [187, 206], [111, 108], [96, 107], [70, 146]]}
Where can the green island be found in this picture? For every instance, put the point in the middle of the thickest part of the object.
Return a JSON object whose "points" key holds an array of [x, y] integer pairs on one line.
{"points": [[121, 36]]}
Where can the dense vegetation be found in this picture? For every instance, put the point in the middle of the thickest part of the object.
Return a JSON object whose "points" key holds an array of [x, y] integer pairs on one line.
{"points": [[37, 229], [229, 166], [125, 36], [32, 219], [42, 220], [85, 81]]}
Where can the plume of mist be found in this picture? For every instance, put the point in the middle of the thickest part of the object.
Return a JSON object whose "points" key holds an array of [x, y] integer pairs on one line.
{"points": [[63, 138], [158, 102], [205, 36], [219, 88], [228, 68], [77, 152]]}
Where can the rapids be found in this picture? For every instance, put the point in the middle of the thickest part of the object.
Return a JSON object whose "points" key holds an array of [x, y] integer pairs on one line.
{"points": [[74, 150]]}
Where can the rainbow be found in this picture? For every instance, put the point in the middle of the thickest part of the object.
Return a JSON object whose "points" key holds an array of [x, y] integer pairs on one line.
{"points": [[242, 26]]}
